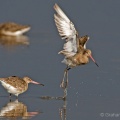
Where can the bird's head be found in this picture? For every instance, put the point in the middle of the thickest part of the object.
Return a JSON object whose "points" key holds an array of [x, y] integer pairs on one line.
{"points": [[88, 53]]}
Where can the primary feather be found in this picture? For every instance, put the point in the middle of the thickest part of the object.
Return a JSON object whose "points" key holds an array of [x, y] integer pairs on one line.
{"points": [[67, 31]]}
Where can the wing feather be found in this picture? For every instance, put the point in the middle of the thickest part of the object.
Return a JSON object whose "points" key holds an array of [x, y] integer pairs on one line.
{"points": [[67, 31]]}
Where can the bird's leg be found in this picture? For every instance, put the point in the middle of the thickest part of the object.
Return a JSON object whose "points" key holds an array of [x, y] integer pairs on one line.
{"points": [[66, 83], [63, 83], [10, 95], [66, 79]]}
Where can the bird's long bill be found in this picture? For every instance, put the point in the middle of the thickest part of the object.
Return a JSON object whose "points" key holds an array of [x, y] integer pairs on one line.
{"points": [[93, 60], [36, 83], [32, 113]]}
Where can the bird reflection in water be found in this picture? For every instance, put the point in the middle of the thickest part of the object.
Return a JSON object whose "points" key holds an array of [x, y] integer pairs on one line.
{"points": [[14, 40], [15, 110], [63, 110]]}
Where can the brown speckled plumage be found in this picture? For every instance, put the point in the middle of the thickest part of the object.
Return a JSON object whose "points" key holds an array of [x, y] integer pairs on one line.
{"points": [[13, 29], [16, 85], [16, 82]]}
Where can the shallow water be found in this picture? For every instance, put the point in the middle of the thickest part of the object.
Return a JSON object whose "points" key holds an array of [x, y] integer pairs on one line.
{"points": [[93, 93]]}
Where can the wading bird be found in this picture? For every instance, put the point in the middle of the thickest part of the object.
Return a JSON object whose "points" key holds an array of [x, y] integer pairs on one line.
{"points": [[15, 85], [13, 29], [74, 49]]}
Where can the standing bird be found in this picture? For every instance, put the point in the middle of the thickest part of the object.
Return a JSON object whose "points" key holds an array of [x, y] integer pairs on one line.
{"points": [[15, 85], [75, 47], [13, 29]]}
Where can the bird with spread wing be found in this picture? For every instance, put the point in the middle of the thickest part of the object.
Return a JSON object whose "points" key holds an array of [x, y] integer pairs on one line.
{"points": [[74, 49]]}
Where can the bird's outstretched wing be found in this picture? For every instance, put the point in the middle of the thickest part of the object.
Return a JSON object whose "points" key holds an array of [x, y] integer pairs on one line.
{"points": [[67, 31]]}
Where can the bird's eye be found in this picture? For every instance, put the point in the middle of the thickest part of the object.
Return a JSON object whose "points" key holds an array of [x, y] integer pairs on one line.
{"points": [[87, 52]]}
